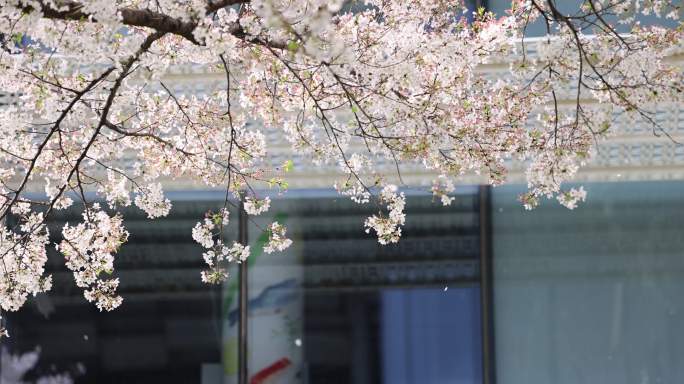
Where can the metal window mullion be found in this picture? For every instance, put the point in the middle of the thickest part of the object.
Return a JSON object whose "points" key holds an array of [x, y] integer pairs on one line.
{"points": [[242, 301], [486, 287]]}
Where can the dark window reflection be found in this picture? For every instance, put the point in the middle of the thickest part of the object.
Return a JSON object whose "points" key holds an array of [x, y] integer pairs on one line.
{"points": [[336, 307], [340, 308], [167, 330]]}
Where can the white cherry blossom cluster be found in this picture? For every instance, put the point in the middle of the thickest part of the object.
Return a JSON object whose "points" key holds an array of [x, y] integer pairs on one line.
{"points": [[276, 238], [3, 330], [441, 189], [215, 275], [237, 253], [388, 228], [89, 249], [52, 191], [208, 234], [151, 200], [203, 232], [355, 164], [115, 190], [254, 206], [572, 197], [23, 250], [356, 191], [103, 294]]}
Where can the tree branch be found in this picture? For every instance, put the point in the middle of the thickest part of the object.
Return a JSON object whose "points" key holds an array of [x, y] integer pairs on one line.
{"points": [[73, 11]]}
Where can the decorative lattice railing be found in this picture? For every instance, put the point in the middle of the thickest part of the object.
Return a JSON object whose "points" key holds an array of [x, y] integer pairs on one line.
{"points": [[633, 151]]}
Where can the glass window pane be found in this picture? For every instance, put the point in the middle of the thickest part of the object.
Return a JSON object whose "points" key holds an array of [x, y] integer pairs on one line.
{"points": [[591, 295], [337, 307]]}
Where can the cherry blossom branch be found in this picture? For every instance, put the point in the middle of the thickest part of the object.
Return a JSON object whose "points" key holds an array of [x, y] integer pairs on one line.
{"points": [[72, 11], [110, 99]]}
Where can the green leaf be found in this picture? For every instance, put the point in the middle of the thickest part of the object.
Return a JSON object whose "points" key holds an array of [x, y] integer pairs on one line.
{"points": [[604, 126], [288, 166], [292, 46], [217, 219], [17, 38]]}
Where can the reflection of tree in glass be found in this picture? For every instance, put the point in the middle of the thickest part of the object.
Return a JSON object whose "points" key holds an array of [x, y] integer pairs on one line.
{"points": [[16, 367], [290, 330]]}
